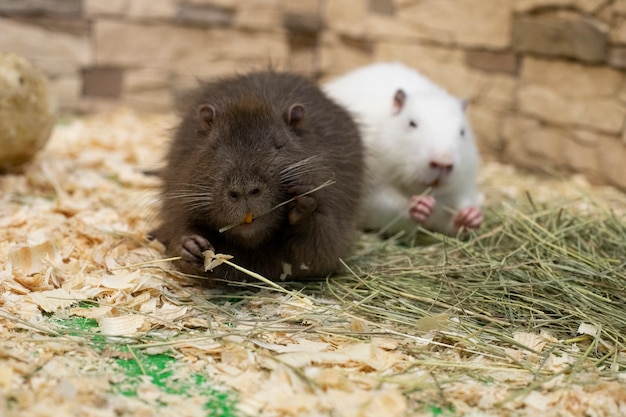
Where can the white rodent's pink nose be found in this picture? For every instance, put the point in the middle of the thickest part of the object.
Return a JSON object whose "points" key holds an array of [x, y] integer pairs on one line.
{"points": [[442, 165]]}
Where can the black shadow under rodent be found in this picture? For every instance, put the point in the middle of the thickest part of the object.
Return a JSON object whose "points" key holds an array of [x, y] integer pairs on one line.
{"points": [[247, 144]]}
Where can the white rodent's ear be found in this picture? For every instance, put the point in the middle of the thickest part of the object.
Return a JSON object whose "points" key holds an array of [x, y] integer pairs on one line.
{"points": [[206, 114], [464, 103], [295, 115], [398, 100]]}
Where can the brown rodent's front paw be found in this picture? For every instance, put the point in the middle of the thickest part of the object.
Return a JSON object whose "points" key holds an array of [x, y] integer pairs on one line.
{"points": [[191, 248], [421, 207], [302, 206], [468, 218]]}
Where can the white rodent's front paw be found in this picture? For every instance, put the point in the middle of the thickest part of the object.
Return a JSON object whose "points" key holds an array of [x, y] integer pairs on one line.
{"points": [[468, 218], [421, 207]]}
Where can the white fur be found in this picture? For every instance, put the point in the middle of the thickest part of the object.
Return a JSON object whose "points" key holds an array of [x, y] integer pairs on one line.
{"points": [[399, 156]]}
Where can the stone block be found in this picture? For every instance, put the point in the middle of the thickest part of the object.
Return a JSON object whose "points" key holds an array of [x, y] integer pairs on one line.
{"points": [[619, 7], [586, 137], [446, 22], [227, 4], [304, 23], [66, 92], [137, 45], [204, 15], [605, 16], [582, 156], [94, 8], [444, 66], [302, 16], [384, 27], [303, 53], [617, 57], [462, 23], [303, 7], [571, 79], [578, 38], [138, 9], [612, 154], [259, 15], [303, 61], [618, 32], [160, 100], [514, 131], [252, 48], [497, 92], [41, 7], [186, 80], [346, 17], [302, 40], [486, 125], [622, 93], [532, 145], [490, 61], [596, 113], [382, 6], [150, 9], [339, 54], [546, 146], [183, 49], [587, 6], [145, 79], [72, 26], [55, 53], [103, 82]]}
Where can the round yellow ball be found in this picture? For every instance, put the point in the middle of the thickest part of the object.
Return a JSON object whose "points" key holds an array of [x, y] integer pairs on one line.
{"points": [[26, 110]]}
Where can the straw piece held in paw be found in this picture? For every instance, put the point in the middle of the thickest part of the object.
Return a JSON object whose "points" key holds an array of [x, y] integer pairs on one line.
{"points": [[212, 259]]}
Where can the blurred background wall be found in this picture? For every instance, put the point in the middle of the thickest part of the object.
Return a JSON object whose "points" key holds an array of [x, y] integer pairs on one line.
{"points": [[545, 78]]}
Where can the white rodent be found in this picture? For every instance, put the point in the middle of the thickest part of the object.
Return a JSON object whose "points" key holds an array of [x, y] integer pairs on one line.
{"points": [[417, 139]]}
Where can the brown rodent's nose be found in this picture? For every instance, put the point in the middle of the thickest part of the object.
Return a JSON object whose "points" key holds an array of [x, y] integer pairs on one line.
{"points": [[245, 192], [443, 167]]}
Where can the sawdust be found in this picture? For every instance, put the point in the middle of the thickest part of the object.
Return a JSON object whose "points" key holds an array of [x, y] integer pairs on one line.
{"points": [[74, 223]]}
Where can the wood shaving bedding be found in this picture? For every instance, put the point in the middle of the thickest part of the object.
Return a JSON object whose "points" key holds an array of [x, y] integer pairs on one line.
{"points": [[75, 222]]}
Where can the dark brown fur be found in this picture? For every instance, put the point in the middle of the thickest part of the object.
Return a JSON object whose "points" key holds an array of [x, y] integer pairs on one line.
{"points": [[231, 155]]}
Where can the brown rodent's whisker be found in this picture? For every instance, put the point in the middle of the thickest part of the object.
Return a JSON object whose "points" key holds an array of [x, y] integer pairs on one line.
{"points": [[300, 167]]}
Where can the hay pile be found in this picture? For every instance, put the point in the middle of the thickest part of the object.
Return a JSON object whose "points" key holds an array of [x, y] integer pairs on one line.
{"points": [[524, 318]]}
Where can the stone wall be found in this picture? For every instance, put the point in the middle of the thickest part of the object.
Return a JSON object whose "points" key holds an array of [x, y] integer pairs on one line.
{"points": [[545, 78]]}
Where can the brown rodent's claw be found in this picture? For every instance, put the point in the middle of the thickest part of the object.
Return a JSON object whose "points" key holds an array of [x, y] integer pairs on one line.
{"points": [[421, 207], [468, 218], [192, 246], [301, 208]]}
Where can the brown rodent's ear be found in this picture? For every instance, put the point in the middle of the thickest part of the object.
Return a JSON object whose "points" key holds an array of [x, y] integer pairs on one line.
{"points": [[398, 101], [206, 114], [295, 115]]}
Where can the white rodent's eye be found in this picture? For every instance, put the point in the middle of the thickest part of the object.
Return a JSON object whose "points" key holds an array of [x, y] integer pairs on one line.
{"points": [[412, 123]]}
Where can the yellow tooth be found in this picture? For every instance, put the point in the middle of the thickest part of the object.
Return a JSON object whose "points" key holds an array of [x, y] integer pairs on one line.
{"points": [[248, 218]]}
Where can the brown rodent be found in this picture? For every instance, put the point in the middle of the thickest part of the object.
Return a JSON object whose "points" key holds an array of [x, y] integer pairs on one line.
{"points": [[245, 145]]}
